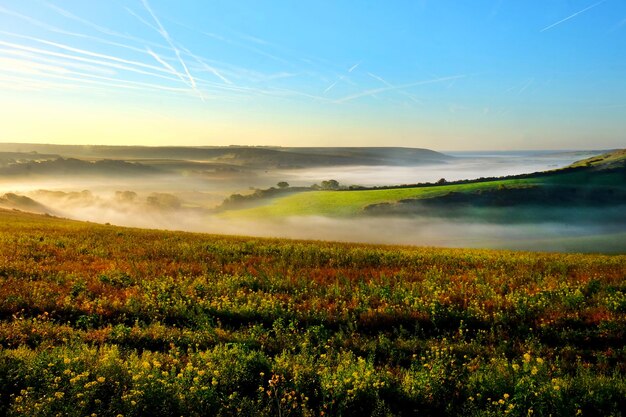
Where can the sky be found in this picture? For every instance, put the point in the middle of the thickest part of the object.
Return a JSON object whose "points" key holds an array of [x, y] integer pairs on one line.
{"points": [[444, 75]]}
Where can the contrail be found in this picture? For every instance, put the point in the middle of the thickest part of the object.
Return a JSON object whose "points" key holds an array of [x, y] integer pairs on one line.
{"points": [[100, 81], [528, 84], [88, 60], [157, 57], [84, 52], [572, 16], [330, 87], [72, 16], [55, 29], [99, 28], [398, 87], [167, 38], [65, 63], [206, 66], [355, 66], [166, 65], [141, 19], [232, 42], [388, 84]]}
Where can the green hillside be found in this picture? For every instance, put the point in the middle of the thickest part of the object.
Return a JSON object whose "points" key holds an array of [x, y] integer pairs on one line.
{"points": [[604, 161], [578, 179]]}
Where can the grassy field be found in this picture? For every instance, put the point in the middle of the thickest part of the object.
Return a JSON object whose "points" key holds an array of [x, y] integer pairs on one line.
{"points": [[107, 321], [350, 203]]}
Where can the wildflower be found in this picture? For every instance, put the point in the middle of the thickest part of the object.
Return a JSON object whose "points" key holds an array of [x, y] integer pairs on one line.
{"points": [[526, 357], [506, 396], [101, 379], [534, 370]]}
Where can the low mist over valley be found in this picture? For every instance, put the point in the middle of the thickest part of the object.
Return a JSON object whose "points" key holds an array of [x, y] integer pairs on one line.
{"points": [[218, 189]]}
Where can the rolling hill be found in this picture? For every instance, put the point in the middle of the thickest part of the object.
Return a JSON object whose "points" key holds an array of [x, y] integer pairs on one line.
{"points": [[260, 157], [600, 181]]}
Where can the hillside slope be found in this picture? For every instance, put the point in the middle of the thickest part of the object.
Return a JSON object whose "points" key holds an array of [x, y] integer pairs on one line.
{"points": [[601, 183], [110, 320], [260, 157]]}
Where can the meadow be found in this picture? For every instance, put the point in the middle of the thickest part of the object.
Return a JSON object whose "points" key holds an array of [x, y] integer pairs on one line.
{"points": [[347, 203], [98, 320]]}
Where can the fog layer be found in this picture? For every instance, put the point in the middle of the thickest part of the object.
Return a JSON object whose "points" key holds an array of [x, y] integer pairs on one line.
{"points": [[184, 201]]}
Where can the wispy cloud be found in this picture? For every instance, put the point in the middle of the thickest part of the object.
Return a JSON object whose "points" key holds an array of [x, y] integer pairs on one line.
{"points": [[342, 78], [66, 63], [572, 16], [118, 64], [355, 66], [525, 86], [88, 66], [206, 66], [166, 65], [388, 84], [55, 29], [24, 68], [375, 91], [168, 39], [141, 19], [85, 22], [330, 87]]}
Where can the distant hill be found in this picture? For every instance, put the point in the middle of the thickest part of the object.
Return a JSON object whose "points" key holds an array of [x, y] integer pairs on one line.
{"points": [[73, 166], [249, 156]]}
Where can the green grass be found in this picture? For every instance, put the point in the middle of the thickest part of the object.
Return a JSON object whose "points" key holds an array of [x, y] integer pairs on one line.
{"points": [[607, 159], [350, 203]]}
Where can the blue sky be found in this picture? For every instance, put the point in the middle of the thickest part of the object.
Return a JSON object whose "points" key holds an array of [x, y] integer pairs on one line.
{"points": [[439, 74]]}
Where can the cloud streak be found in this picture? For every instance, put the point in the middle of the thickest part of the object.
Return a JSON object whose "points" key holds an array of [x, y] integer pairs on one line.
{"points": [[168, 39], [388, 84], [375, 91], [117, 64], [572, 16]]}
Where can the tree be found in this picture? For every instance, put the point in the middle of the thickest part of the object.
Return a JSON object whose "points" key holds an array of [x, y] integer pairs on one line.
{"points": [[442, 181], [283, 184], [330, 185]]}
